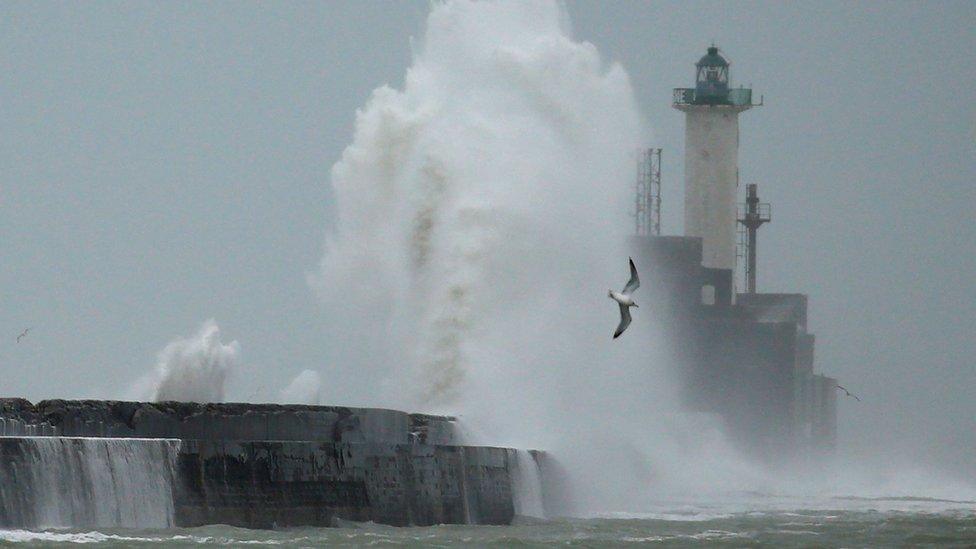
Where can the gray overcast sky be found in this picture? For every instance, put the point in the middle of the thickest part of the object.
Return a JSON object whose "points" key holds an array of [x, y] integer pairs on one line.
{"points": [[164, 163]]}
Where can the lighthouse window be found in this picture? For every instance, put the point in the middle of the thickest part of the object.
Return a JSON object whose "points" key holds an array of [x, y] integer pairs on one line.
{"points": [[713, 74]]}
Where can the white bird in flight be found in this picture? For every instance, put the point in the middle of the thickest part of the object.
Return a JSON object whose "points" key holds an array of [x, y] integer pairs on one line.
{"points": [[625, 300]]}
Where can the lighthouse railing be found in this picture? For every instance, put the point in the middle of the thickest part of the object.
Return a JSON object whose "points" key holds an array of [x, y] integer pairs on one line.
{"points": [[737, 97]]}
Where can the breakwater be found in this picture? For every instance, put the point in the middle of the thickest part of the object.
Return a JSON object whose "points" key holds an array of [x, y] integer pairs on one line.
{"points": [[146, 465]]}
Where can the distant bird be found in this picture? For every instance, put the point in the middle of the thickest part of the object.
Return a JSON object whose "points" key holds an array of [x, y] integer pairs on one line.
{"points": [[625, 300], [850, 394], [23, 334]]}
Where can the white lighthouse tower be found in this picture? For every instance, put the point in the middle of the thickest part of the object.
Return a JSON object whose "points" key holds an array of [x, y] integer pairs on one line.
{"points": [[712, 168]]}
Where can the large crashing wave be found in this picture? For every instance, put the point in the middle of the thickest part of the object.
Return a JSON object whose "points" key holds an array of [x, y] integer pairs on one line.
{"points": [[482, 213], [494, 182], [195, 369]]}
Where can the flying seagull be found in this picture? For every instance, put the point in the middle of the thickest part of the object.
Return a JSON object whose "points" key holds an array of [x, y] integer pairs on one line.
{"points": [[625, 300], [23, 334], [850, 394]]}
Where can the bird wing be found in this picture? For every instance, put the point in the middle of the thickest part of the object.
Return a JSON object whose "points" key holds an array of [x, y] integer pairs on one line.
{"points": [[850, 394], [624, 321], [634, 281]]}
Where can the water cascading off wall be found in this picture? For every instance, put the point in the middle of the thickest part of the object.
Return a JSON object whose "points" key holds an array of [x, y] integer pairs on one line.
{"points": [[527, 486], [51, 482]]}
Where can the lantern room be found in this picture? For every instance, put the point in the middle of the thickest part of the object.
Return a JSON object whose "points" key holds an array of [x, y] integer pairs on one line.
{"points": [[712, 78]]}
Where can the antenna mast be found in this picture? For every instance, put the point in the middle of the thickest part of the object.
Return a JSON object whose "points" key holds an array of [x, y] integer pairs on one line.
{"points": [[647, 198], [753, 215]]}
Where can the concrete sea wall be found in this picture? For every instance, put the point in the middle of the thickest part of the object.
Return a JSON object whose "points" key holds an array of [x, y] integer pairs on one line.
{"points": [[229, 421], [256, 466], [296, 483]]}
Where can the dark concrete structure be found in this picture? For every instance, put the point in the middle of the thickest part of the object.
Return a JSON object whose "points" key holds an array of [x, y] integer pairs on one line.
{"points": [[749, 359], [229, 421], [257, 466], [266, 484]]}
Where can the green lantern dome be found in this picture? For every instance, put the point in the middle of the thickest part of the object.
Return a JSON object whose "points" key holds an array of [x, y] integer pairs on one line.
{"points": [[712, 78], [712, 59]]}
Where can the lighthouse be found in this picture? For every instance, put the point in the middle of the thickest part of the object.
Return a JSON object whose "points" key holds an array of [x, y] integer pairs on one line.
{"points": [[712, 169]]}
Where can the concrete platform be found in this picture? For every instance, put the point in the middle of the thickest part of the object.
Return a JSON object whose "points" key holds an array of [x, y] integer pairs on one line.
{"points": [[255, 466]]}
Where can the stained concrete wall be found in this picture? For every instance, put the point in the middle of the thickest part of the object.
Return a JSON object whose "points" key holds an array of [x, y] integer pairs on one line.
{"points": [[253, 484], [751, 362], [261, 484], [263, 466], [825, 411], [775, 307]]}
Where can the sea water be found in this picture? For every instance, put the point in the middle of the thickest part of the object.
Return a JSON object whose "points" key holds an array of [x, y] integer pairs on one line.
{"points": [[737, 520]]}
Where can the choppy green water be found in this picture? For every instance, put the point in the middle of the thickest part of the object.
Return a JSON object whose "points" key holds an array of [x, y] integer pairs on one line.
{"points": [[836, 522]]}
